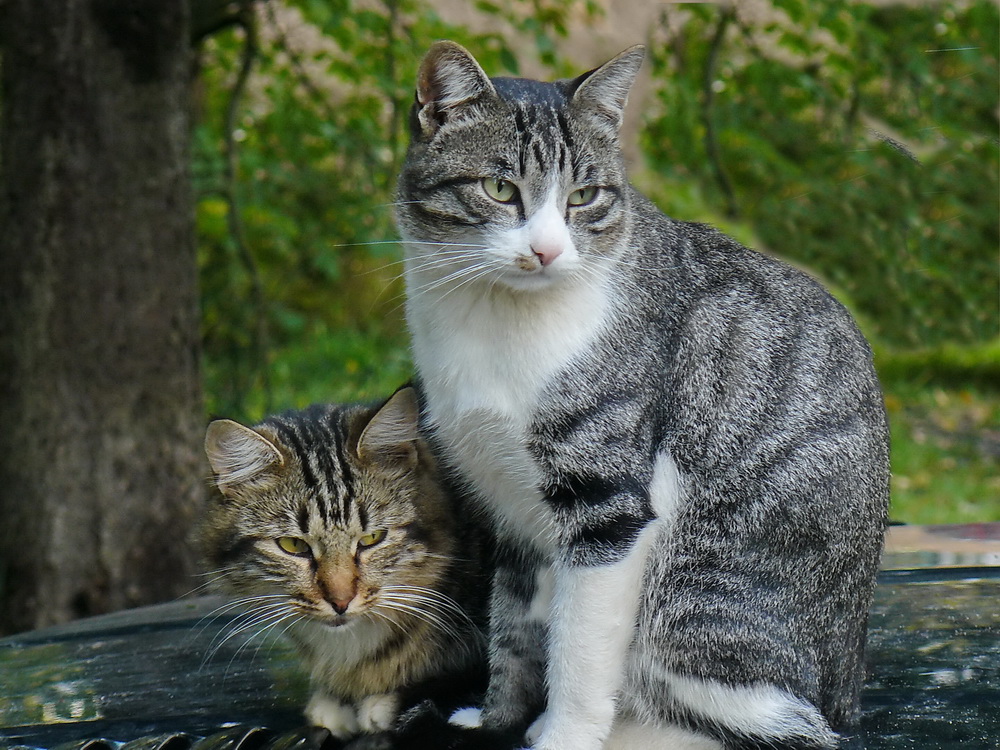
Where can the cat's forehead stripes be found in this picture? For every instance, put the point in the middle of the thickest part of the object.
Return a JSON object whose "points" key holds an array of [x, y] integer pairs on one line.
{"points": [[545, 140], [317, 440]]}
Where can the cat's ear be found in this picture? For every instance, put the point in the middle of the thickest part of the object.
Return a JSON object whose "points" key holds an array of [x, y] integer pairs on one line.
{"points": [[239, 456], [389, 440], [449, 77], [604, 90]]}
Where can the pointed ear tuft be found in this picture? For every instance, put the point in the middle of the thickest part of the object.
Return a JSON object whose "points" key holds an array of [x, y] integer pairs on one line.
{"points": [[604, 90], [239, 456], [449, 77], [389, 439]]}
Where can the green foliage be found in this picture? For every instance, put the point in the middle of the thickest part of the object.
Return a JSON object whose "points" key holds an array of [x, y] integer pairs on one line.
{"points": [[945, 451], [858, 140], [318, 137], [948, 366]]}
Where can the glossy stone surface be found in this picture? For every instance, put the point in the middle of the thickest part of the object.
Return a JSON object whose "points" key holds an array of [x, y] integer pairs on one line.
{"points": [[182, 676]]}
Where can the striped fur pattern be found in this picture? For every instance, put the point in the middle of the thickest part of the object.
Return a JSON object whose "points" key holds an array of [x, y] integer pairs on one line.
{"points": [[680, 442], [332, 524]]}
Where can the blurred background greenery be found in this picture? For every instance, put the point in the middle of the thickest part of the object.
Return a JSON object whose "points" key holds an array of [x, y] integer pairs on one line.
{"points": [[856, 140]]}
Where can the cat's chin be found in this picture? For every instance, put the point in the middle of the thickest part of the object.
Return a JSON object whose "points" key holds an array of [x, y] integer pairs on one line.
{"points": [[520, 281], [335, 622]]}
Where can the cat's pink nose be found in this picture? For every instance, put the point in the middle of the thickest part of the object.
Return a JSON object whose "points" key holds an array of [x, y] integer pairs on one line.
{"points": [[341, 604], [546, 252]]}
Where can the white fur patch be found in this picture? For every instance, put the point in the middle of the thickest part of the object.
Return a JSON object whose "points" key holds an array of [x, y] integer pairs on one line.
{"points": [[541, 602], [632, 736], [486, 354], [470, 718], [537, 728], [546, 232], [593, 624], [339, 718], [765, 710], [377, 713], [665, 489]]}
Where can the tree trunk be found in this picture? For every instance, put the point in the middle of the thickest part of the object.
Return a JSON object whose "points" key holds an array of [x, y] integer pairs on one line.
{"points": [[100, 397]]}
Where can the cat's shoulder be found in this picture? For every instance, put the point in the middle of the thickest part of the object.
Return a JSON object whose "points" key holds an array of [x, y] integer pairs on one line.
{"points": [[711, 260]]}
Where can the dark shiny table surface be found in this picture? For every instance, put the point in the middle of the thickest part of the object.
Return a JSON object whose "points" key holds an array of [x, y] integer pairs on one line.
{"points": [[167, 677]]}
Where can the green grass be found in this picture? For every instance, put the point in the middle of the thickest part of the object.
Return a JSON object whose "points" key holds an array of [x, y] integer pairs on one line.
{"points": [[944, 414], [945, 453]]}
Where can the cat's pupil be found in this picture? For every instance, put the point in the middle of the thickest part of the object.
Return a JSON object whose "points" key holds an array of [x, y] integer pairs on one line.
{"points": [[583, 196], [294, 546], [503, 191]]}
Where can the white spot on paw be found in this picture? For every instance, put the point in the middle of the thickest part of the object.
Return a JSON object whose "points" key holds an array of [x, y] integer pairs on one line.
{"points": [[377, 713], [536, 729], [633, 736], [339, 718], [470, 718]]}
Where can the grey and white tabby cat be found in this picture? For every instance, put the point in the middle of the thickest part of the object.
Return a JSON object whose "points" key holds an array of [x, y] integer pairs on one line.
{"points": [[333, 521], [680, 443]]}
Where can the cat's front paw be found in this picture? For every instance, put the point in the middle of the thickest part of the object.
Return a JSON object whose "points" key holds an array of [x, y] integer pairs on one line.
{"points": [[536, 729], [328, 712], [377, 713], [545, 734]]}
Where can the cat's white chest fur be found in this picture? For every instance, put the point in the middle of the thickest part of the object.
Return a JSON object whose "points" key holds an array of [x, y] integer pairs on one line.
{"points": [[486, 357]]}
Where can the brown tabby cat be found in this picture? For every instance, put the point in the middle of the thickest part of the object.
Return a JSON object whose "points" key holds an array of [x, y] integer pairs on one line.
{"points": [[332, 522]]}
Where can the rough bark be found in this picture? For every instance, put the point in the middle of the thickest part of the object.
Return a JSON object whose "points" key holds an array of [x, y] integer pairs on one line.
{"points": [[100, 401]]}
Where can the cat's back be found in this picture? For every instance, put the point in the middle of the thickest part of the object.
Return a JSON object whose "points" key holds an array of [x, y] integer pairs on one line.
{"points": [[716, 305], [691, 265]]}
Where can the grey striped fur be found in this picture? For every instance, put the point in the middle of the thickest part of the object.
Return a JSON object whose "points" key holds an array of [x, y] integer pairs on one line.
{"points": [[680, 442]]}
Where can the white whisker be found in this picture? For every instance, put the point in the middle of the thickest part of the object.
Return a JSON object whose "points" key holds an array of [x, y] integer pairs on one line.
{"points": [[263, 609], [252, 626], [375, 611], [429, 617], [259, 630]]}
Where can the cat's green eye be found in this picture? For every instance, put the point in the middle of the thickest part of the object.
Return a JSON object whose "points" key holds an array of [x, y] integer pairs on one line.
{"points": [[582, 197], [293, 545], [503, 191], [372, 538]]}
